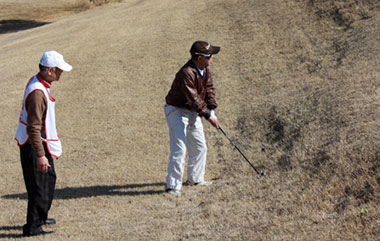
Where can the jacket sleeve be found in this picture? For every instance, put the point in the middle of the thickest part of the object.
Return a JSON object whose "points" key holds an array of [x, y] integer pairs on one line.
{"points": [[35, 105], [193, 99]]}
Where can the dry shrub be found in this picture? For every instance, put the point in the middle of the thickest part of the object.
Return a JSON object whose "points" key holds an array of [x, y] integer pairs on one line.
{"points": [[82, 5], [99, 2], [78, 6]]}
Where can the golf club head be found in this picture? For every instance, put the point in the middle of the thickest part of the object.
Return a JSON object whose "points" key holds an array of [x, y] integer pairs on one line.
{"points": [[262, 173]]}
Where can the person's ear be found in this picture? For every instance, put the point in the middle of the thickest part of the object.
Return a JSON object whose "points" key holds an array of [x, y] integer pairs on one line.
{"points": [[50, 71]]}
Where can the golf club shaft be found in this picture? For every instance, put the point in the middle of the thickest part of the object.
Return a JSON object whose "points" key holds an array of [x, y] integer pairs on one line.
{"points": [[225, 134]]}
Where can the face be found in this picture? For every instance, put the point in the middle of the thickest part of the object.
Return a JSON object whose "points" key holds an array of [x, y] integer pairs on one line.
{"points": [[208, 60], [205, 61], [53, 74]]}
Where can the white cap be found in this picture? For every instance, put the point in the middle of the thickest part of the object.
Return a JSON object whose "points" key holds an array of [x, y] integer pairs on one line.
{"points": [[54, 59]]}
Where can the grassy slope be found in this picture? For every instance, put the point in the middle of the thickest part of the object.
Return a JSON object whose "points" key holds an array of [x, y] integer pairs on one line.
{"points": [[297, 85]]}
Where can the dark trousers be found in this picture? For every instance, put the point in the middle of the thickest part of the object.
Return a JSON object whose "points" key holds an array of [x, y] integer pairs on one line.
{"points": [[39, 186]]}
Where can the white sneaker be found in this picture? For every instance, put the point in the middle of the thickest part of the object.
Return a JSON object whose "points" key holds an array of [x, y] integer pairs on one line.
{"points": [[173, 192], [204, 183]]}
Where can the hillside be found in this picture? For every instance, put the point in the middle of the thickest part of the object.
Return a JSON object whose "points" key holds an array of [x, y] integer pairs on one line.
{"points": [[298, 90]]}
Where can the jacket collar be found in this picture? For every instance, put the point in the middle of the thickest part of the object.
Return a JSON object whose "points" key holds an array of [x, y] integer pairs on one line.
{"points": [[197, 69]]}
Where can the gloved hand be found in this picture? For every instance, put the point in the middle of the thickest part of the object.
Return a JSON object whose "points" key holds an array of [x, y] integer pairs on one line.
{"points": [[212, 114], [213, 119]]}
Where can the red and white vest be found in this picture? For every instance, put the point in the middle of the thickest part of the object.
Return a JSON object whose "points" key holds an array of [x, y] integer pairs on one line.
{"points": [[52, 138]]}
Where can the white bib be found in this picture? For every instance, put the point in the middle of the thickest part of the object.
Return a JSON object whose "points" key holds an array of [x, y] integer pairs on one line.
{"points": [[52, 138]]}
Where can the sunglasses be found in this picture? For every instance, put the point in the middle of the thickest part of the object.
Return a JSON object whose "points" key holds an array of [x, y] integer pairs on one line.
{"points": [[207, 57], [203, 55]]}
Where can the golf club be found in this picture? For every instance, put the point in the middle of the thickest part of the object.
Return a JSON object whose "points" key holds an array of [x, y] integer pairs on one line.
{"points": [[225, 134]]}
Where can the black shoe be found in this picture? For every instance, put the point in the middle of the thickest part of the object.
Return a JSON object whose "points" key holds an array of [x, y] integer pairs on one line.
{"points": [[50, 221], [34, 232]]}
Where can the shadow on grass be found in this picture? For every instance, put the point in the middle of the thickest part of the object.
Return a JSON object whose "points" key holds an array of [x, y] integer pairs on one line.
{"points": [[10, 26], [10, 235], [113, 190], [8, 228]]}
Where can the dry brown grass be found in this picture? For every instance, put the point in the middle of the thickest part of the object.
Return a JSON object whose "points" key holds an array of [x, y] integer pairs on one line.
{"points": [[298, 90]]}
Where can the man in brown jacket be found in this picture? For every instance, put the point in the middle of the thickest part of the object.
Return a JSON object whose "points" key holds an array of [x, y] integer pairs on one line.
{"points": [[192, 96], [39, 141]]}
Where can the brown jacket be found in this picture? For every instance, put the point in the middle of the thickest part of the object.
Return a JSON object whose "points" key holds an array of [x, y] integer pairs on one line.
{"points": [[192, 92]]}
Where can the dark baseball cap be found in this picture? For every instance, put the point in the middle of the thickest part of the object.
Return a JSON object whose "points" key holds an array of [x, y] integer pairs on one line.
{"points": [[203, 48]]}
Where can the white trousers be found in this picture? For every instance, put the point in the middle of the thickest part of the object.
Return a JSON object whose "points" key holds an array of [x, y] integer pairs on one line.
{"points": [[186, 133]]}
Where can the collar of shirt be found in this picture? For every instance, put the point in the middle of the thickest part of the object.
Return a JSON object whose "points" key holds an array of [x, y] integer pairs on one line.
{"points": [[201, 71], [44, 82]]}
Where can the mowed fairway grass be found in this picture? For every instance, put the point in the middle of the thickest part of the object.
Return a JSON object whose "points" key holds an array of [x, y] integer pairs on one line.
{"points": [[298, 91]]}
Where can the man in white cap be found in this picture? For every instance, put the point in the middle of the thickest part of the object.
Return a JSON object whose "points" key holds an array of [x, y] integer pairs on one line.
{"points": [[39, 141], [191, 96]]}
